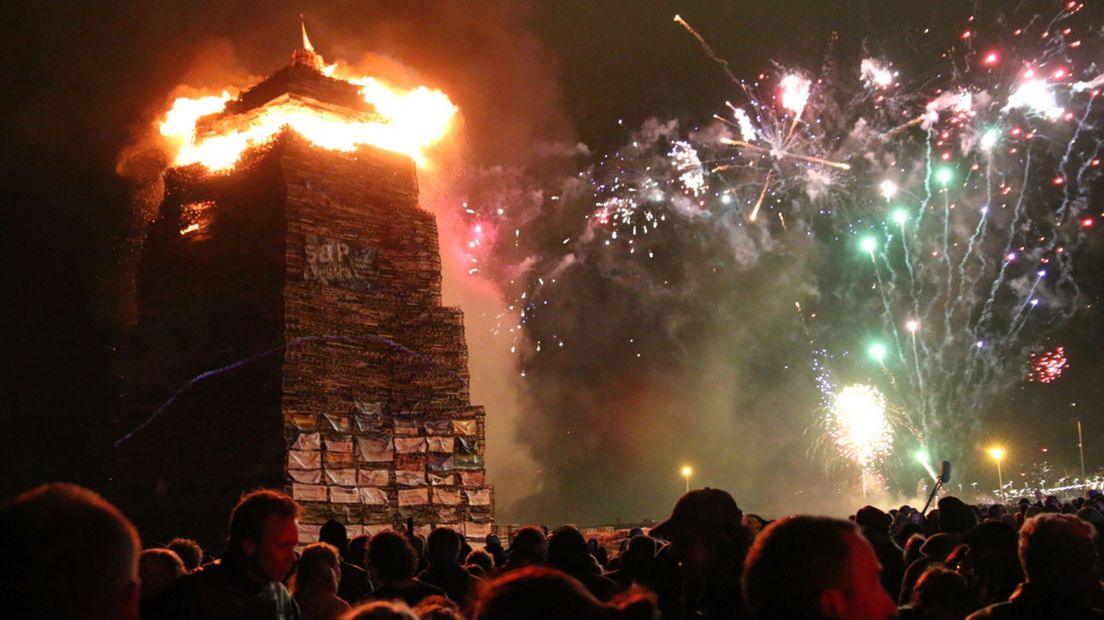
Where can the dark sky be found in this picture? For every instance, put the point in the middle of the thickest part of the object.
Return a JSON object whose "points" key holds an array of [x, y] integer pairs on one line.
{"points": [[82, 78]]}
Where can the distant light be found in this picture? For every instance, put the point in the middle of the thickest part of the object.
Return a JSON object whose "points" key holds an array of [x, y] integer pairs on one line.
{"points": [[922, 457], [1034, 302], [900, 216], [889, 189], [686, 471], [944, 176], [912, 325], [991, 59], [996, 453], [869, 245]]}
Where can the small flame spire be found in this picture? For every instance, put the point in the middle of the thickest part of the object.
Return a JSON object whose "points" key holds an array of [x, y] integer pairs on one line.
{"points": [[306, 40], [305, 55]]}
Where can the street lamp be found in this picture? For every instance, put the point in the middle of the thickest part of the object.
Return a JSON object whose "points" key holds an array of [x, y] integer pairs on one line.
{"points": [[686, 472], [998, 454]]}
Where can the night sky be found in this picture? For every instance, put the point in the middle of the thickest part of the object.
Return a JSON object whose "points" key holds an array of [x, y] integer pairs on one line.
{"points": [[84, 81]]}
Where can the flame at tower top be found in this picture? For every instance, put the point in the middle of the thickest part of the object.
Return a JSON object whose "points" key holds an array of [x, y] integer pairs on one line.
{"points": [[329, 105]]}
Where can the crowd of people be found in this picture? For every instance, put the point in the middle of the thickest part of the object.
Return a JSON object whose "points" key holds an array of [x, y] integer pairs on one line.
{"points": [[69, 553]]}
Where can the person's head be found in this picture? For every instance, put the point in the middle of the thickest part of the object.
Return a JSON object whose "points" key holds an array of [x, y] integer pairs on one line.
{"points": [[873, 519], [158, 569], [492, 541], [263, 531], [391, 556], [67, 553], [482, 559], [443, 547], [907, 531], [992, 546], [955, 517], [1057, 552], [319, 568], [996, 511], [814, 567], [940, 588], [705, 530], [640, 553], [437, 607], [380, 610], [529, 546], [912, 548], [538, 593], [567, 551], [358, 550], [754, 523], [189, 552], [333, 532]]}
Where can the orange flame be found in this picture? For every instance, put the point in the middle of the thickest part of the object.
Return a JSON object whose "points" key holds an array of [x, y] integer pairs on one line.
{"points": [[406, 122]]}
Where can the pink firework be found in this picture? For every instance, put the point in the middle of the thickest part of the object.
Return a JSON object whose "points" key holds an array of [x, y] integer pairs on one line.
{"points": [[1047, 365]]}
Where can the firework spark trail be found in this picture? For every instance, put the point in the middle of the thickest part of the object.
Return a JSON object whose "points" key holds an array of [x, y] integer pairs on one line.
{"points": [[708, 50], [816, 162]]}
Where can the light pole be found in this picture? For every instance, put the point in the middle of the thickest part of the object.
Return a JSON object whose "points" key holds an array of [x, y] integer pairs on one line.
{"points": [[686, 472], [1081, 448], [998, 454]]}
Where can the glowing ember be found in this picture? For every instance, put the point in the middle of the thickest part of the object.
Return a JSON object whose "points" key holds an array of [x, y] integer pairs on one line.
{"points": [[404, 121], [1047, 366]]}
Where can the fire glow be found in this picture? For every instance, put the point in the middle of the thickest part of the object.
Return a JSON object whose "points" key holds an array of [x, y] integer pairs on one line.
{"points": [[404, 121]]}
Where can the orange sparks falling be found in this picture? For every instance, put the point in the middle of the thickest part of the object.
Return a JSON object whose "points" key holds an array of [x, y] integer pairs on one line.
{"points": [[403, 121]]}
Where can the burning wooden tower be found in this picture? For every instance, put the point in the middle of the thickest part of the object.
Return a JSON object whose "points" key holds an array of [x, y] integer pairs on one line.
{"points": [[309, 280]]}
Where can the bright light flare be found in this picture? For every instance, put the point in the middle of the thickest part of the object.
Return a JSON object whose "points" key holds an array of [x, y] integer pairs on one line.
{"points": [[795, 93], [877, 351], [989, 139], [869, 245], [899, 217], [888, 189], [912, 325], [859, 424], [996, 453], [686, 471], [875, 74], [1037, 97]]}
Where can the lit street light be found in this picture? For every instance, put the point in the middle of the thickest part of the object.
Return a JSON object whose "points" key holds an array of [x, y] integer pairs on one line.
{"points": [[998, 454], [686, 472]]}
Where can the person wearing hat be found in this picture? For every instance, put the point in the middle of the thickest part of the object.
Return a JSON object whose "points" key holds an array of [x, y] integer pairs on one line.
{"points": [[698, 573]]}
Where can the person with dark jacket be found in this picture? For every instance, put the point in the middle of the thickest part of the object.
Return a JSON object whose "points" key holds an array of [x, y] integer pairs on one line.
{"points": [[354, 579], [493, 546], [247, 583], [529, 547], [875, 525], [394, 562], [1058, 558], [445, 572], [567, 551], [698, 573]]}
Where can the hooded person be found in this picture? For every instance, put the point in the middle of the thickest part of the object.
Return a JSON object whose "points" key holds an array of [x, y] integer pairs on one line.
{"points": [[698, 573]]}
